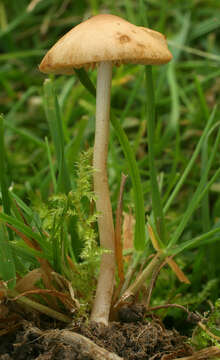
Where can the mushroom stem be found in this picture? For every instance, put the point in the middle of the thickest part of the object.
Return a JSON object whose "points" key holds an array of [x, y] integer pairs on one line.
{"points": [[103, 298]]}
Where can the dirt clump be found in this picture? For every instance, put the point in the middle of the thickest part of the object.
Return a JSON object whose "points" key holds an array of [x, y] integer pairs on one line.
{"points": [[146, 340], [133, 337]]}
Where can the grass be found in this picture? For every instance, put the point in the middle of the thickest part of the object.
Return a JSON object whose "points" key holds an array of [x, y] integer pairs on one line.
{"points": [[47, 124]]}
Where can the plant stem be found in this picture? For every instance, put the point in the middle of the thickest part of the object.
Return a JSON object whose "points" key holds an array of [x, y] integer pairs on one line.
{"points": [[145, 275], [156, 198], [102, 303]]}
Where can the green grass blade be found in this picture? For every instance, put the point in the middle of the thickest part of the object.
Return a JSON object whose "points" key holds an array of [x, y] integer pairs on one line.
{"points": [[15, 23], [3, 182], [143, 21], [26, 254], [85, 81], [129, 11], [24, 133], [197, 241], [65, 92], [199, 194], [140, 238], [156, 198], [73, 148], [204, 27], [21, 54], [26, 230], [52, 172], [21, 204], [55, 124], [181, 37], [174, 93], [191, 87], [191, 162], [132, 96], [7, 266], [205, 208], [18, 105]]}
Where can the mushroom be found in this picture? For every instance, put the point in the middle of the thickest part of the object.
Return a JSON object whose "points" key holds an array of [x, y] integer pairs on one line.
{"points": [[104, 40]]}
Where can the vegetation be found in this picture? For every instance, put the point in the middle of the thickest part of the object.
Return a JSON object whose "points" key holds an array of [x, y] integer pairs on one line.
{"points": [[48, 233]]}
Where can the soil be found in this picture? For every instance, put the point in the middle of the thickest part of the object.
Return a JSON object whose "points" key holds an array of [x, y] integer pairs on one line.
{"points": [[131, 338]]}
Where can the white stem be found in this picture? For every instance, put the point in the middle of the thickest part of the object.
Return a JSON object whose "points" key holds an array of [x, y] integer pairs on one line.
{"points": [[102, 302]]}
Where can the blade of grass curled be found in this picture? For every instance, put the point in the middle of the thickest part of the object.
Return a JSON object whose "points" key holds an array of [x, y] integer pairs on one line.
{"points": [[139, 241], [156, 198], [191, 162]]}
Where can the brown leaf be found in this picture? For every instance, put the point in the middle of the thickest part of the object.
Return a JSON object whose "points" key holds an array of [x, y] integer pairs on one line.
{"points": [[29, 280], [128, 232], [118, 223]]}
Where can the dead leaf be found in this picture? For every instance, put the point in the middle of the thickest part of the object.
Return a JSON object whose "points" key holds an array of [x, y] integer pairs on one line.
{"points": [[128, 232]]}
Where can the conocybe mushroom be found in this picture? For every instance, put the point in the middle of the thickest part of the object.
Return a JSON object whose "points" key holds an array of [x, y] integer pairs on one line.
{"points": [[104, 40]]}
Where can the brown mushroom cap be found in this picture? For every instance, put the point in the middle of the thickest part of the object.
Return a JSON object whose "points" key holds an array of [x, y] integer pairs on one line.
{"points": [[105, 37]]}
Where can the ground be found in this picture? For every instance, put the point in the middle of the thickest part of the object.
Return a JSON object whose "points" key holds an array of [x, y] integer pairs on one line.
{"points": [[131, 338]]}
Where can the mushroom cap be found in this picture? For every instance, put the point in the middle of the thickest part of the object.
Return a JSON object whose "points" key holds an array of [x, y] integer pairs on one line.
{"points": [[105, 37]]}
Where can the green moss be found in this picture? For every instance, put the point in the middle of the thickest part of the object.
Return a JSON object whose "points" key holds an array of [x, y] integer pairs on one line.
{"points": [[202, 338]]}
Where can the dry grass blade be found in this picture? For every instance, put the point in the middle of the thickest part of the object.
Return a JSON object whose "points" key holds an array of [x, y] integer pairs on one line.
{"points": [[153, 238], [179, 273]]}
